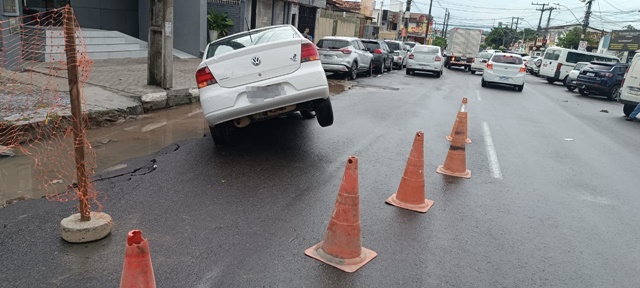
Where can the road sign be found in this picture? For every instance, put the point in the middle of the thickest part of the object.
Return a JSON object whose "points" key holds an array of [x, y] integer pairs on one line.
{"points": [[582, 46]]}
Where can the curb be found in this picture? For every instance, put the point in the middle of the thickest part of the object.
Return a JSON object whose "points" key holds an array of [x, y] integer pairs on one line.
{"points": [[171, 98]]}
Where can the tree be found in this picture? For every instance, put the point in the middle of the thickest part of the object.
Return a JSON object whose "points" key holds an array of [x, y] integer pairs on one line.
{"points": [[440, 41], [501, 37], [529, 35], [571, 39], [629, 27]]}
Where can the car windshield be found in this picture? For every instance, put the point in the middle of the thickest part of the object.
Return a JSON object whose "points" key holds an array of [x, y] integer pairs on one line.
{"points": [[371, 45], [507, 59], [243, 40], [332, 43], [393, 45], [426, 49]]}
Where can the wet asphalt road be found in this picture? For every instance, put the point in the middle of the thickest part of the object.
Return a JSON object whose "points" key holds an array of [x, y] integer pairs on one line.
{"points": [[559, 207]]}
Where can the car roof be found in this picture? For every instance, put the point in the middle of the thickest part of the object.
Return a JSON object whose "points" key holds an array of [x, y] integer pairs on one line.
{"points": [[370, 40], [396, 41], [608, 63], [339, 38], [501, 54]]}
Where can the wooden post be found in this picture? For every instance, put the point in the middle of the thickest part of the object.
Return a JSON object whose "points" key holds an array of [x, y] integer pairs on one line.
{"points": [[160, 61], [76, 111]]}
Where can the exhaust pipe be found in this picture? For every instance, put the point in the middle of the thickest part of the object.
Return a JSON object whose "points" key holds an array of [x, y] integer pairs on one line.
{"points": [[242, 122]]}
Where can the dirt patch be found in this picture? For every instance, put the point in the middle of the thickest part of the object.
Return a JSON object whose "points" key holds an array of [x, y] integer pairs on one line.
{"points": [[338, 86]]}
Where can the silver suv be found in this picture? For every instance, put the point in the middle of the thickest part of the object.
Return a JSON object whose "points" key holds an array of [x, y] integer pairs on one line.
{"points": [[345, 55]]}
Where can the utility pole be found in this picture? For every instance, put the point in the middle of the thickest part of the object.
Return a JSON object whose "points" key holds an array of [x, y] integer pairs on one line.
{"points": [[429, 18], [380, 15], [541, 14], [406, 19], [447, 23], [160, 61], [443, 22], [546, 30], [585, 24], [511, 27]]}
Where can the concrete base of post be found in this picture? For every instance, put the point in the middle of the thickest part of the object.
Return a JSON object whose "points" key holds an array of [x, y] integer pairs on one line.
{"points": [[75, 231]]}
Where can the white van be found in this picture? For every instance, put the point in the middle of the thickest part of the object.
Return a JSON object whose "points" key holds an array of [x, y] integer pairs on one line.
{"points": [[630, 92], [558, 62]]}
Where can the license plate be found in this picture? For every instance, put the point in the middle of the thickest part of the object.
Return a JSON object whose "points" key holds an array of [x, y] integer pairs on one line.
{"points": [[327, 57], [504, 78], [425, 66], [463, 58], [591, 74], [257, 94]]}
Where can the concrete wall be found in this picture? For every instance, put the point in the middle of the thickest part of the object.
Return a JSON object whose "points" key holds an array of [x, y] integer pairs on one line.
{"points": [[189, 24], [118, 15]]}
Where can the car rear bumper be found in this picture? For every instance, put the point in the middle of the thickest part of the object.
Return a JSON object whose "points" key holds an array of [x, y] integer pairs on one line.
{"points": [[223, 104], [491, 77], [592, 87], [427, 67], [336, 67]]}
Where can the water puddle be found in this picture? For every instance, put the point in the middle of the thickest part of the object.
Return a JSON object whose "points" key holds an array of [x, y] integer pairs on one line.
{"points": [[113, 144]]}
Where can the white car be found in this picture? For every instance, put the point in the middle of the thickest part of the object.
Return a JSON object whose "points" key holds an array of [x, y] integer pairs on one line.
{"points": [[630, 92], [505, 69], [479, 62], [570, 80], [425, 58], [261, 74]]}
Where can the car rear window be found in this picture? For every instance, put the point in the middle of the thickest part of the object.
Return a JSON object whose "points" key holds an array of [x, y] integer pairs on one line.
{"points": [[484, 55], [426, 50], [579, 66], [257, 37], [332, 43], [371, 45], [506, 59], [393, 45], [600, 67]]}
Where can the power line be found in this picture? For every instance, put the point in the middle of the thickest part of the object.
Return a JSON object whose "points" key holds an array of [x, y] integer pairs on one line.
{"points": [[613, 6]]}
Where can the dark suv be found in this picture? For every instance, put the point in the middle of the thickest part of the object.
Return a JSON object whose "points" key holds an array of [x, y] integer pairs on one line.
{"points": [[601, 78], [382, 55]]}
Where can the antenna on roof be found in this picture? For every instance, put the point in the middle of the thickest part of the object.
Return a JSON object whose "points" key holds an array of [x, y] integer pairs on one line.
{"points": [[248, 28]]}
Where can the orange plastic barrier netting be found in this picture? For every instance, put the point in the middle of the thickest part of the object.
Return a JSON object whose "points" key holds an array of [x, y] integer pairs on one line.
{"points": [[35, 109]]}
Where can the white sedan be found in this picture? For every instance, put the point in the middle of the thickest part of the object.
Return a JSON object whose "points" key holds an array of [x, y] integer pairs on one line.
{"points": [[425, 58], [505, 69], [261, 74]]}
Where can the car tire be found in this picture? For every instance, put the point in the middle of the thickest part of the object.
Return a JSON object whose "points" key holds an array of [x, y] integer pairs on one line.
{"points": [[408, 71], [438, 75], [583, 92], [307, 114], [390, 66], [473, 72], [571, 88], [564, 82], [483, 83], [370, 70], [353, 73], [614, 93], [324, 113], [628, 108], [221, 134], [551, 80], [520, 88], [380, 68]]}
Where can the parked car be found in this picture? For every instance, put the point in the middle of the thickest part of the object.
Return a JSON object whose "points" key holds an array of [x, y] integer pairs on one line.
{"points": [[531, 64], [535, 71], [601, 78], [382, 55], [345, 55], [479, 61], [400, 53], [630, 92], [570, 81], [505, 69], [261, 74], [426, 58]]}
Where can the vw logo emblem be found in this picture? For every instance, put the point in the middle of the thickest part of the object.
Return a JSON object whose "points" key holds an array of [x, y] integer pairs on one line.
{"points": [[255, 61]]}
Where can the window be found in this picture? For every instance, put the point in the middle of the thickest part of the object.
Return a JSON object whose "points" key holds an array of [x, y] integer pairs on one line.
{"points": [[552, 54], [426, 49], [600, 67], [579, 66], [393, 46], [371, 45], [360, 45], [506, 59], [332, 44], [257, 37]]}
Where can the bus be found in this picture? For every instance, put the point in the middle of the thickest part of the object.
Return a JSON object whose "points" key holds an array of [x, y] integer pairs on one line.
{"points": [[558, 62]]}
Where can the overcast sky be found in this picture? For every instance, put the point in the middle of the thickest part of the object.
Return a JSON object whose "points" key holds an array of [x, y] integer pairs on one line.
{"points": [[606, 14]]}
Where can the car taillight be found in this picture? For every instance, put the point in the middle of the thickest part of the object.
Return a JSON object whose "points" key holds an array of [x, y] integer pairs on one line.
{"points": [[204, 77], [473, 60], [309, 53], [345, 51], [438, 59], [400, 58], [377, 51], [523, 69], [559, 67], [605, 74], [410, 56], [625, 77], [489, 65], [453, 58]]}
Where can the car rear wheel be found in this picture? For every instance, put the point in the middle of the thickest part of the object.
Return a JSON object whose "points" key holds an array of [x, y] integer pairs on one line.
{"points": [[571, 88], [614, 93], [381, 68], [583, 92], [408, 71], [221, 134], [473, 72], [390, 66], [520, 88], [551, 80], [324, 113], [483, 83], [566, 81], [353, 73], [370, 70]]}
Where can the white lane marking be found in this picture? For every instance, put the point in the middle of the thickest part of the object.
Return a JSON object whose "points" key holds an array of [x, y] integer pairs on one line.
{"points": [[491, 152], [478, 94], [153, 126]]}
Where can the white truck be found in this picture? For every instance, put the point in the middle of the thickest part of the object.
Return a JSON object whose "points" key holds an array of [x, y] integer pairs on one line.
{"points": [[462, 45]]}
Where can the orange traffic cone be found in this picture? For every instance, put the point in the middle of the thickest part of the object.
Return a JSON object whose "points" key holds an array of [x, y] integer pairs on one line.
{"points": [[463, 109], [456, 162], [411, 191], [342, 244], [137, 271]]}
